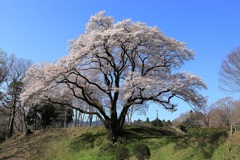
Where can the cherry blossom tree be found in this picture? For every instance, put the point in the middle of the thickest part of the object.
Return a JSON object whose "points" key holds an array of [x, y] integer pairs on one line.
{"points": [[112, 66]]}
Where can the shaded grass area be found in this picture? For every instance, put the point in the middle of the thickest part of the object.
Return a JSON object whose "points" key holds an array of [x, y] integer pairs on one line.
{"points": [[91, 143], [27, 146], [200, 144]]}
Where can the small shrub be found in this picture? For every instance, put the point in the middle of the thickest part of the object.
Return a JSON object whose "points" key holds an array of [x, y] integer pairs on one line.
{"points": [[141, 151], [122, 153]]}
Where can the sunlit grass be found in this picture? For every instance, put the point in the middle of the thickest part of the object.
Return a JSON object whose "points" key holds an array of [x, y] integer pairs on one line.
{"points": [[91, 143]]}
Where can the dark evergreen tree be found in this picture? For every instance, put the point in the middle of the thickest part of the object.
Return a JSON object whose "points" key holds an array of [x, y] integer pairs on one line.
{"points": [[33, 117], [48, 114], [147, 120], [169, 123], [157, 123]]}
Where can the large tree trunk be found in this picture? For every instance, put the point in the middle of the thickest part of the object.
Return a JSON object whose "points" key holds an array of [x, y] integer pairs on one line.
{"points": [[114, 127], [114, 130]]}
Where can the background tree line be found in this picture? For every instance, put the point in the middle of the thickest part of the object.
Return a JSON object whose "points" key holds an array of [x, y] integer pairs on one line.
{"points": [[12, 113], [14, 117], [225, 113]]}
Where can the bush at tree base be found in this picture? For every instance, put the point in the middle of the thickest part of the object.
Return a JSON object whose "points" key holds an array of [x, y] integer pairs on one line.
{"points": [[141, 151], [122, 153]]}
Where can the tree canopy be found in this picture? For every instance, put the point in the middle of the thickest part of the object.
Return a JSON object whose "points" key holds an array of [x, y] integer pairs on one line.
{"points": [[112, 66]]}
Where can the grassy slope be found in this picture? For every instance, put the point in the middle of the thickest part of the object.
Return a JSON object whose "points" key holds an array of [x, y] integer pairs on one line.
{"points": [[90, 143]]}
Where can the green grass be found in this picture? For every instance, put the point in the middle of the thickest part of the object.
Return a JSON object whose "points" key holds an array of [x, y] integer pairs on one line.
{"points": [[91, 143]]}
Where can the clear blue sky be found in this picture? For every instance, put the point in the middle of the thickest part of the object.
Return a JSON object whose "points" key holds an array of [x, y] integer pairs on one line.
{"points": [[39, 30]]}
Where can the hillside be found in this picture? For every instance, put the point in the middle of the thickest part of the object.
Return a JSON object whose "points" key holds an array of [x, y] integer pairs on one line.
{"points": [[90, 143]]}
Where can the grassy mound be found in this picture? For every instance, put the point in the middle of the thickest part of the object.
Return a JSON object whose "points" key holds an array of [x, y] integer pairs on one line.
{"points": [[91, 143]]}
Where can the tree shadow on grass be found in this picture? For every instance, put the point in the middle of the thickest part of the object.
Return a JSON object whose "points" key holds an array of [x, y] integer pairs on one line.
{"points": [[146, 132], [203, 145], [86, 141]]}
